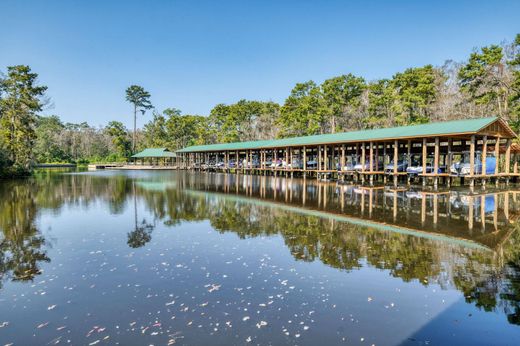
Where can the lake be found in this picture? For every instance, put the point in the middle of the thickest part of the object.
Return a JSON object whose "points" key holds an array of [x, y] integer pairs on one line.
{"points": [[163, 258]]}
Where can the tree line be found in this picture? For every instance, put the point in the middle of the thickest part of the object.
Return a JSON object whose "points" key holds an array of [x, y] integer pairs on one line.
{"points": [[486, 84]]}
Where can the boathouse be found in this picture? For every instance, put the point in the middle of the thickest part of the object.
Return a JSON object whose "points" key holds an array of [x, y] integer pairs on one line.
{"points": [[154, 157], [471, 149]]}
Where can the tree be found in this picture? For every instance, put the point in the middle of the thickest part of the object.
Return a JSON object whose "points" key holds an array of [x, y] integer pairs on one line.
{"points": [[48, 146], [21, 100], [140, 98], [184, 130], [303, 112], [119, 134], [381, 104], [483, 78], [515, 94], [343, 97], [155, 132], [265, 123], [416, 92]]}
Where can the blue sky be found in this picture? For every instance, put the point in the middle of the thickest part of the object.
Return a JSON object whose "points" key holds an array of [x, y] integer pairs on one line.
{"points": [[194, 54]]}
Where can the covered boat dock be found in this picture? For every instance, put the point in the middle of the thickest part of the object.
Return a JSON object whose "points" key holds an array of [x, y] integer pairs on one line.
{"points": [[154, 157], [473, 150]]}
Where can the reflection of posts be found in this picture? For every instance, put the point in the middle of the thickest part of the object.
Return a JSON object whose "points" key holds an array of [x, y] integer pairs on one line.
{"points": [[423, 208], [470, 214], [395, 206], [483, 212], [435, 209]]}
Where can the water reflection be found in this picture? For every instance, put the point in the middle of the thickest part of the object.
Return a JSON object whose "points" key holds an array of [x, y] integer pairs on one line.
{"points": [[22, 247], [457, 239]]}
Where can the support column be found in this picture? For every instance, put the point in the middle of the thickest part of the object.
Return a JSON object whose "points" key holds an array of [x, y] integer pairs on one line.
{"points": [[371, 162], [472, 161], [396, 159], [371, 158], [497, 155], [342, 164], [483, 165], [436, 162], [304, 160], [326, 157], [408, 158], [508, 156], [319, 158], [508, 160], [384, 161], [424, 156], [363, 158]]}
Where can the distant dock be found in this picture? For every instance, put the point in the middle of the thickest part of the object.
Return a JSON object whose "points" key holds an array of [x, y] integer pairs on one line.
{"points": [[100, 166]]}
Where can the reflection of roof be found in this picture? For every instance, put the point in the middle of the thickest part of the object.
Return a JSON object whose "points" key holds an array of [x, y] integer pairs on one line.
{"points": [[156, 185], [155, 152], [348, 219], [456, 127]]}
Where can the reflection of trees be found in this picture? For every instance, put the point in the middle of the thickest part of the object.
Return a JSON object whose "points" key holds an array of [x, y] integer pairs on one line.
{"points": [[21, 245], [488, 279], [142, 233]]}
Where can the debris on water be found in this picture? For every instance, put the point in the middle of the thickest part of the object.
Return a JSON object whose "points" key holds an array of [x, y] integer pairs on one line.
{"points": [[261, 324], [41, 325]]}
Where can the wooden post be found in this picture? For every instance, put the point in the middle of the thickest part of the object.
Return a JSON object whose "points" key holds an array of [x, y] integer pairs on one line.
{"points": [[371, 158], [424, 154], [286, 157], [396, 156], [436, 157], [342, 164], [384, 155], [304, 158], [227, 160], [497, 154], [472, 156], [508, 157], [484, 154], [326, 157], [319, 158], [409, 153], [363, 158], [450, 143]]}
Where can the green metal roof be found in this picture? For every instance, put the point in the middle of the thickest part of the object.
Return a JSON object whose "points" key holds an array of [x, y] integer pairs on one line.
{"points": [[424, 130], [154, 152]]}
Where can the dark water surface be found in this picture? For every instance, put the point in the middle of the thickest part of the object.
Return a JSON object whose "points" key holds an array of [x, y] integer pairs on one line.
{"points": [[162, 258]]}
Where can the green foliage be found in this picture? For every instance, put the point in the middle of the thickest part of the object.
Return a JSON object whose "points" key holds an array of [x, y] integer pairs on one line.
{"points": [[20, 101], [342, 97], [382, 100], [515, 94], [155, 132], [481, 78], [234, 122], [47, 147], [415, 92], [304, 111], [140, 98], [119, 135]]}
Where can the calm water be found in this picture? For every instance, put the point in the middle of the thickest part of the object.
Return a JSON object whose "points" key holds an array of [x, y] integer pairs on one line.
{"points": [[162, 258]]}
